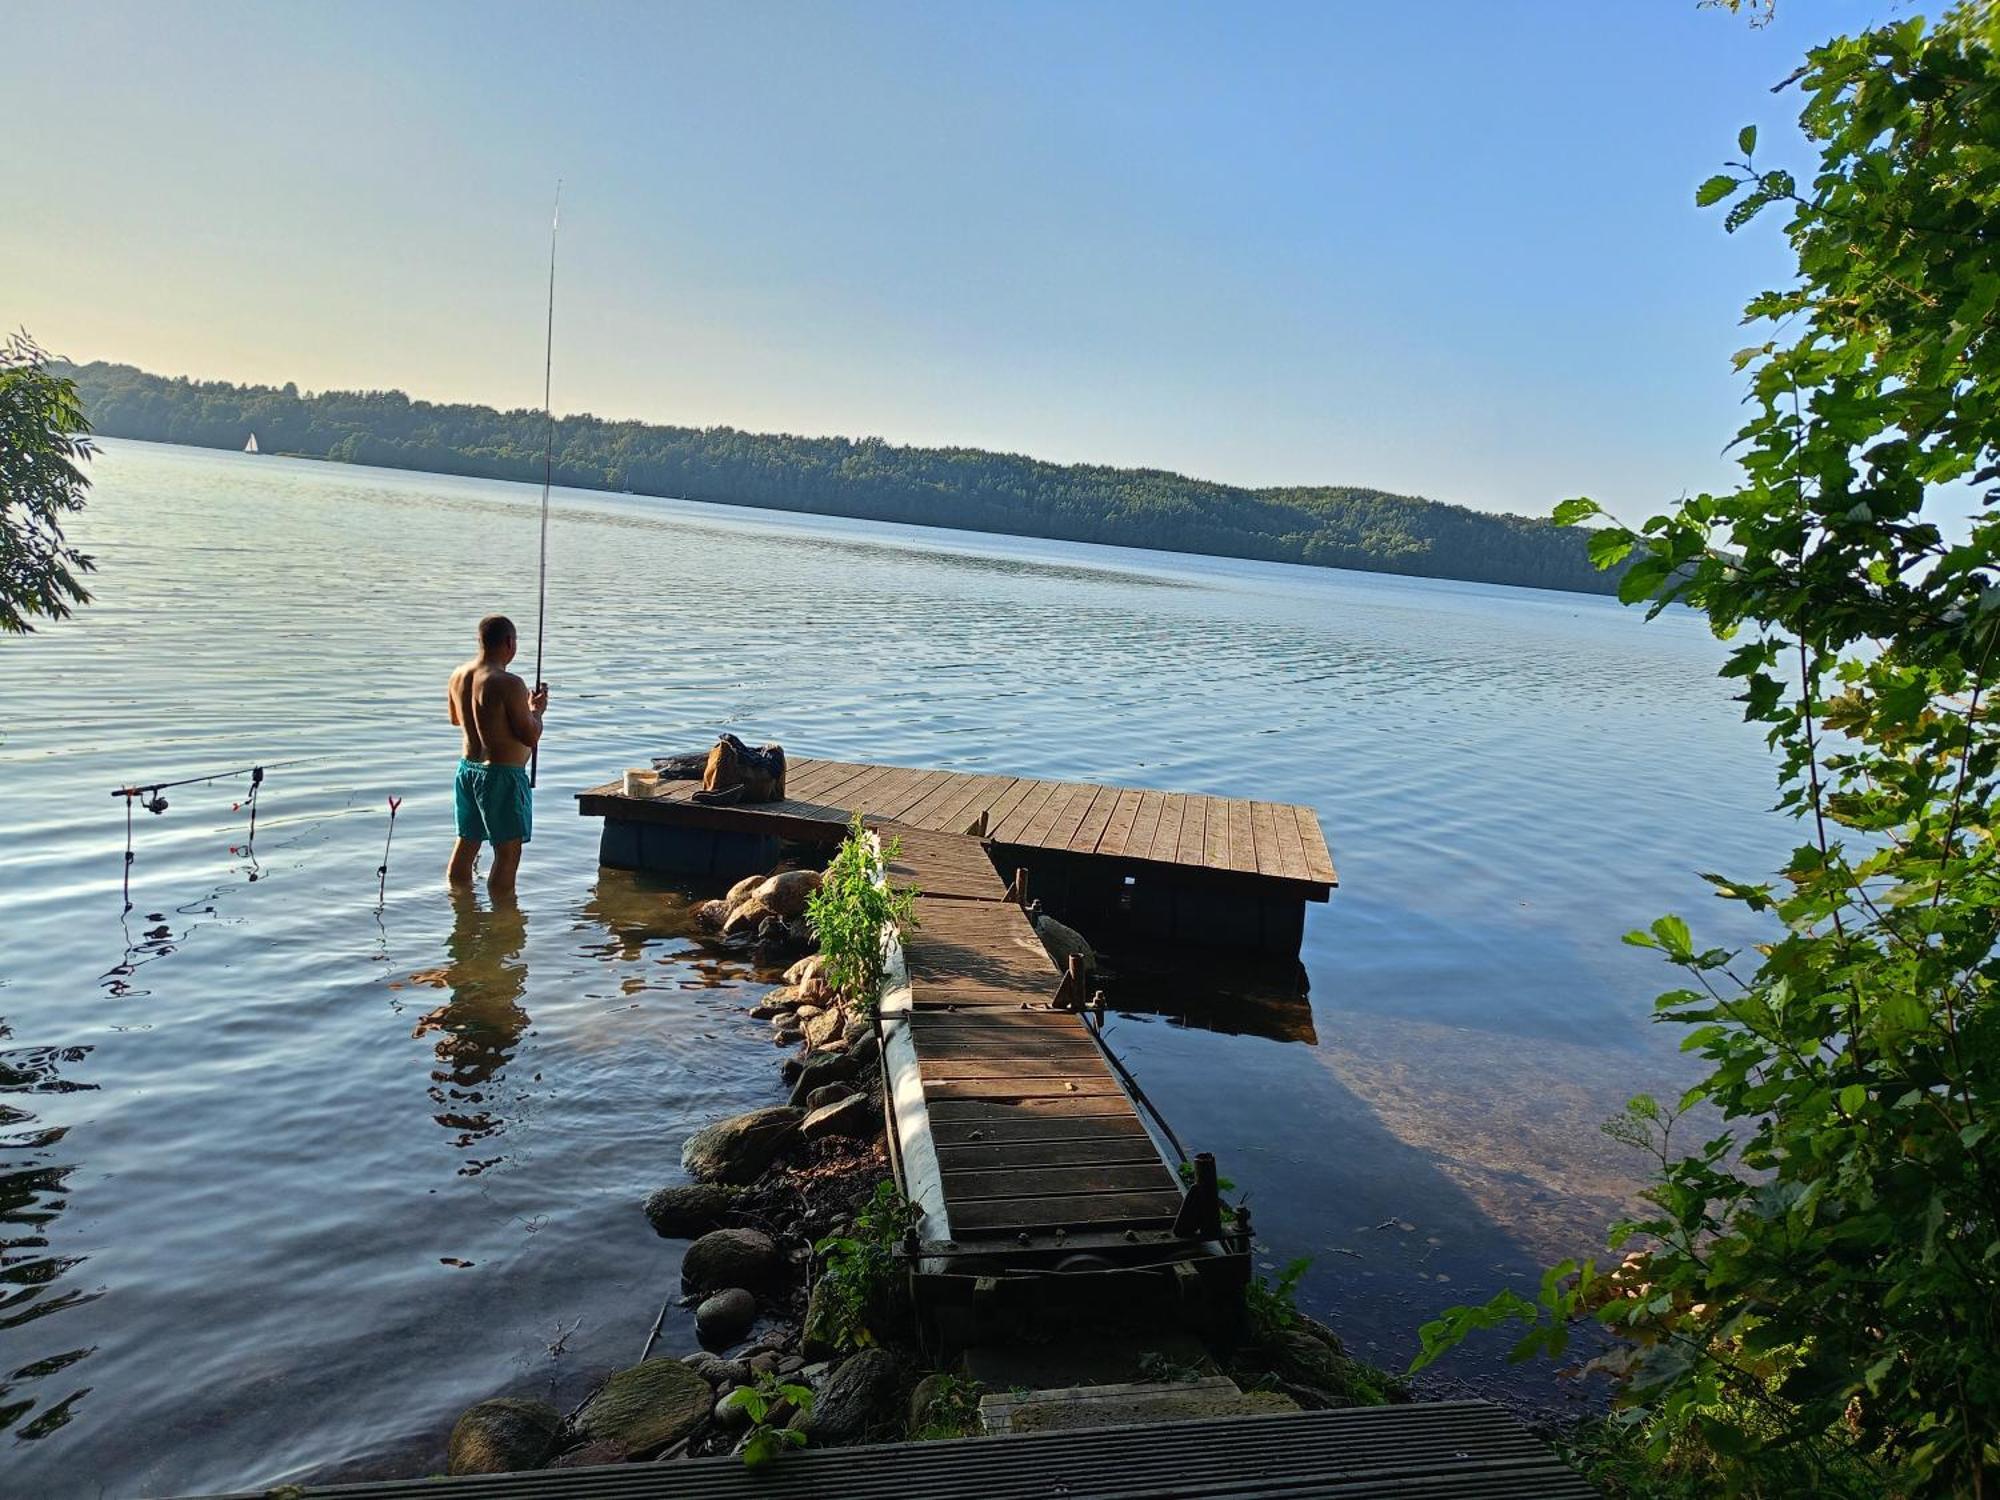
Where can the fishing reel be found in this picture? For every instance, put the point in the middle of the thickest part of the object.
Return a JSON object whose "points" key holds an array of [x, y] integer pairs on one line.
{"points": [[155, 804]]}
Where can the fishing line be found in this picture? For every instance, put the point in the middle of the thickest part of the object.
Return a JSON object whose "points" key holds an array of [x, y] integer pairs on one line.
{"points": [[548, 465]]}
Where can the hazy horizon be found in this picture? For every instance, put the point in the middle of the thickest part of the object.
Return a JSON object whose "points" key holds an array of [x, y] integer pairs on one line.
{"points": [[1451, 253]]}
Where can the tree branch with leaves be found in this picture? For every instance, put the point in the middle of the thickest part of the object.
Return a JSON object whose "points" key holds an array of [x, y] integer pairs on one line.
{"points": [[44, 443], [1812, 1296]]}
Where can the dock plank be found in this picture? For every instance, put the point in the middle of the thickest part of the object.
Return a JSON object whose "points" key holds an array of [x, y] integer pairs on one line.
{"points": [[1167, 837], [1264, 835], [1147, 821], [1098, 1151], [1319, 860], [1091, 829], [1047, 1180], [1127, 1210], [1013, 829], [1193, 831], [1118, 827]]}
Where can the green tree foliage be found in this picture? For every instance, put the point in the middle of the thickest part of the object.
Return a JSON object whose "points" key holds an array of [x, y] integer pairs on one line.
{"points": [[1812, 1300], [44, 443], [1331, 527]]}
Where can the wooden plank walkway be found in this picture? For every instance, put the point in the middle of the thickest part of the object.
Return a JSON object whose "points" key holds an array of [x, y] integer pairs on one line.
{"points": [[1446, 1450], [1274, 841], [1032, 1130]]}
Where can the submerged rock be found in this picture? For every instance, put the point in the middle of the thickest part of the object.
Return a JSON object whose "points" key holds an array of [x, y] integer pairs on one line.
{"points": [[712, 914], [646, 1408], [503, 1436], [854, 1116], [731, 1258], [724, 1318], [857, 1397], [682, 1212], [738, 1149]]}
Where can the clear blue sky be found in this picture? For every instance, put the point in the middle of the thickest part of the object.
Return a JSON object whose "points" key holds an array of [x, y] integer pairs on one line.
{"points": [[1443, 248]]}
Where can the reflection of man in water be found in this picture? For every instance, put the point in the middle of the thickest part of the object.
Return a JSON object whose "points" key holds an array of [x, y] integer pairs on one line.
{"points": [[479, 1026]]}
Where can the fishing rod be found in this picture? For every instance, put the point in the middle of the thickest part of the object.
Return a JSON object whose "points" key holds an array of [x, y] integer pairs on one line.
{"points": [[134, 789], [548, 467]]}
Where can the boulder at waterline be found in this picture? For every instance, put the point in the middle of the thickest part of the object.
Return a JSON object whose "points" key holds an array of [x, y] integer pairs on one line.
{"points": [[683, 1212], [645, 1408], [746, 918], [743, 890], [725, 1258], [723, 1319], [503, 1436], [831, 1093], [857, 1397], [712, 914], [786, 894], [855, 1116], [738, 1149]]}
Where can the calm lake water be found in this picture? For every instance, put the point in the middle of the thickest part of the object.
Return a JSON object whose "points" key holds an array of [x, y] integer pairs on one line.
{"points": [[288, 1181]]}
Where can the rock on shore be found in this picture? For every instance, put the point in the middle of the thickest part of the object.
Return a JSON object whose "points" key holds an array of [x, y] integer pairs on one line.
{"points": [[737, 1150], [725, 1258], [683, 1212], [646, 1408], [503, 1436]]}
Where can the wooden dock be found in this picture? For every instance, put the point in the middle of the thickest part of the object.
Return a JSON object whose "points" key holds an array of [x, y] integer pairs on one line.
{"points": [[1013, 1134], [1218, 871]]}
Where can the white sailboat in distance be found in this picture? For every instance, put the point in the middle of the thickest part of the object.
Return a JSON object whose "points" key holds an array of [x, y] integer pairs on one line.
{"points": [[251, 446]]}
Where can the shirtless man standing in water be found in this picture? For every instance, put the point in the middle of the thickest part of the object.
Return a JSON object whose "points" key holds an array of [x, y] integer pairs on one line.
{"points": [[502, 721]]}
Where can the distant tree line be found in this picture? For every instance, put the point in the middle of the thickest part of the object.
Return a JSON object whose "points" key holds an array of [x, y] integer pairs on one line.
{"points": [[969, 488]]}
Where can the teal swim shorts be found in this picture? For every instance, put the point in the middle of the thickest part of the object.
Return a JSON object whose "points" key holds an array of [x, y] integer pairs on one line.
{"points": [[493, 802]]}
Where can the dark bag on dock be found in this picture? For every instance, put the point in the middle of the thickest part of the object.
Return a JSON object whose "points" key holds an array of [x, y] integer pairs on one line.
{"points": [[737, 773]]}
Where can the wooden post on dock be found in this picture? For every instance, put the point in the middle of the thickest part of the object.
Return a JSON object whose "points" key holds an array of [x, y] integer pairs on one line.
{"points": [[1071, 994], [1017, 892]]}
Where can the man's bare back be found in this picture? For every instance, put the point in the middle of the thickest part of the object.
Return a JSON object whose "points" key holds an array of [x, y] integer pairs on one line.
{"points": [[500, 717]]}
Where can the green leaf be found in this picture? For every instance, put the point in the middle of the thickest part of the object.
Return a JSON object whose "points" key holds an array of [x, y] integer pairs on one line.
{"points": [[1746, 139], [1609, 547], [1852, 1098], [1673, 936], [1569, 512], [1715, 189]]}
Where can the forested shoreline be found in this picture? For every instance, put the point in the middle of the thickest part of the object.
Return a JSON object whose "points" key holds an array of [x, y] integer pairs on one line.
{"points": [[968, 488]]}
